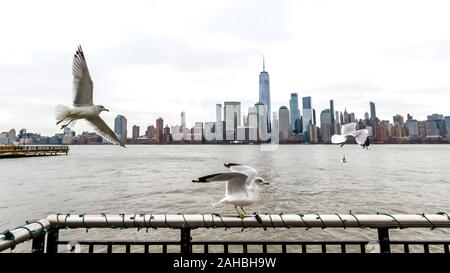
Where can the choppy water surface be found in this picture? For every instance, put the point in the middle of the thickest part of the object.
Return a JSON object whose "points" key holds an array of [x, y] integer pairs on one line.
{"points": [[157, 179]]}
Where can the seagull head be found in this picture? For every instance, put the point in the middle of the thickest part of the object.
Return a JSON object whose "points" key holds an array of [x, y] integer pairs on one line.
{"points": [[261, 180], [102, 108]]}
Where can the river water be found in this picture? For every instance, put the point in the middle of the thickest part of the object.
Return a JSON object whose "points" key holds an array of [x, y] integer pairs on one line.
{"points": [[157, 179]]}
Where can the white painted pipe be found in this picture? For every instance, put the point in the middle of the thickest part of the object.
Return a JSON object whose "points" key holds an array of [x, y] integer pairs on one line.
{"points": [[227, 221], [265, 220], [22, 234]]}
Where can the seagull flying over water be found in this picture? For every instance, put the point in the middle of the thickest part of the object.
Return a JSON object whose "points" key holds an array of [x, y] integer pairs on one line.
{"points": [[242, 187], [83, 106], [348, 131]]}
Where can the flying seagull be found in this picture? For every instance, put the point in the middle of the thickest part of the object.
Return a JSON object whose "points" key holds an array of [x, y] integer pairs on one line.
{"points": [[83, 106], [348, 131], [241, 188]]}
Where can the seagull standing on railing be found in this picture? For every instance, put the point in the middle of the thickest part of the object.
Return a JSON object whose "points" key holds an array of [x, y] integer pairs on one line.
{"points": [[348, 131], [242, 187], [83, 106]]}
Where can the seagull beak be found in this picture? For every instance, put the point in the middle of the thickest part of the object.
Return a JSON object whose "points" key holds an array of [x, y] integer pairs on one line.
{"points": [[106, 110]]}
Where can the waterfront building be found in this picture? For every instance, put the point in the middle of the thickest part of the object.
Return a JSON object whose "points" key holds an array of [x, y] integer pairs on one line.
{"points": [[167, 136], [232, 117], [183, 120], [326, 125], [386, 131], [447, 125], [218, 112], [431, 128], [294, 113], [264, 92], [333, 120], [373, 113], [412, 128], [198, 132], [398, 119], [346, 118], [307, 115], [440, 123], [422, 129], [283, 124], [313, 136], [159, 134], [120, 128], [262, 116], [135, 134], [150, 133], [209, 131]]}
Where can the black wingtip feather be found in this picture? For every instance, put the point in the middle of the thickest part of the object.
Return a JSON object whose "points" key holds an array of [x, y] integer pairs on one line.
{"points": [[228, 165]]}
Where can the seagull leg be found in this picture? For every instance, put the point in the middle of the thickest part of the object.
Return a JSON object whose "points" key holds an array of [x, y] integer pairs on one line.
{"points": [[243, 210], [240, 212]]}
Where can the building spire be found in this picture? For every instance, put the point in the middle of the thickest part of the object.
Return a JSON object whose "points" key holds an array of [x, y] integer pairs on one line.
{"points": [[264, 64]]}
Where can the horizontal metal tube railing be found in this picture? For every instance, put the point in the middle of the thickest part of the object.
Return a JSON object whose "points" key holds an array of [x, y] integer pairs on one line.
{"points": [[253, 221], [24, 233], [192, 221]]}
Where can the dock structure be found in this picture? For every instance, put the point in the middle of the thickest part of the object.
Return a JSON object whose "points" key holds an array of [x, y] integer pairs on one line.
{"points": [[45, 232], [7, 151]]}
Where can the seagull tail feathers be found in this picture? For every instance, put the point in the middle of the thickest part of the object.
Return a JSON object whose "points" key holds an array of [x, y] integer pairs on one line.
{"points": [[61, 112]]}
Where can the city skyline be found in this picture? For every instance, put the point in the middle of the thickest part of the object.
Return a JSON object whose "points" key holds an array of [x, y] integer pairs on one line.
{"points": [[144, 67]]}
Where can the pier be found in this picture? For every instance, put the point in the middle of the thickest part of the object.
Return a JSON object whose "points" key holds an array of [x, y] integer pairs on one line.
{"points": [[7, 151], [45, 233]]}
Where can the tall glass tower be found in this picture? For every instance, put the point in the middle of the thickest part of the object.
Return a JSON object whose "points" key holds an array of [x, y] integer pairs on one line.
{"points": [[307, 113], [264, 92], [295, 113], [373, 113], [120, 128]]}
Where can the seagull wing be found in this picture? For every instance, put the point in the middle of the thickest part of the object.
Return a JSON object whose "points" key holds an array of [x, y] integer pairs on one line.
{"points": [[105, 131], [249, 171], [361, 136], [348, 129], [235, 181], [338, 139], [82, 83]]}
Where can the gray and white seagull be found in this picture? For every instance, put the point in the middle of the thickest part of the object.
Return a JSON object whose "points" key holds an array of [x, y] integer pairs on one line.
{"points": [[241, 186], [83, 106]]}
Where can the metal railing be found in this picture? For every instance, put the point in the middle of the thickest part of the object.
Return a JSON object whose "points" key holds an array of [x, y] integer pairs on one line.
{"points": [[45, 233]]}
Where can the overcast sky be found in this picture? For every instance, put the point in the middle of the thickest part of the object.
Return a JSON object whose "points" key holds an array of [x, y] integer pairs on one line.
{"points": [[157, 58]]}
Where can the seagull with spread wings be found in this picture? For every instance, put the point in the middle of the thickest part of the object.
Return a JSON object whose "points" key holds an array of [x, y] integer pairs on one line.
{"points": [[348, 131], [241, 186], [83, 106]]}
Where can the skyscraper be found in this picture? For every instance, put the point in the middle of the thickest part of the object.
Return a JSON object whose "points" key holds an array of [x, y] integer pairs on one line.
{"points": [[398, 119], [135, 132], [263, 133], [295, 113], [218, 112], [232, 118], [326, 118], [120, 128], [283, 125], [159, 134], [307, 116], [373, 113], [333, 122], [412, 128], [264, 92], [447, 125], [150, 133], [183, 120]]}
